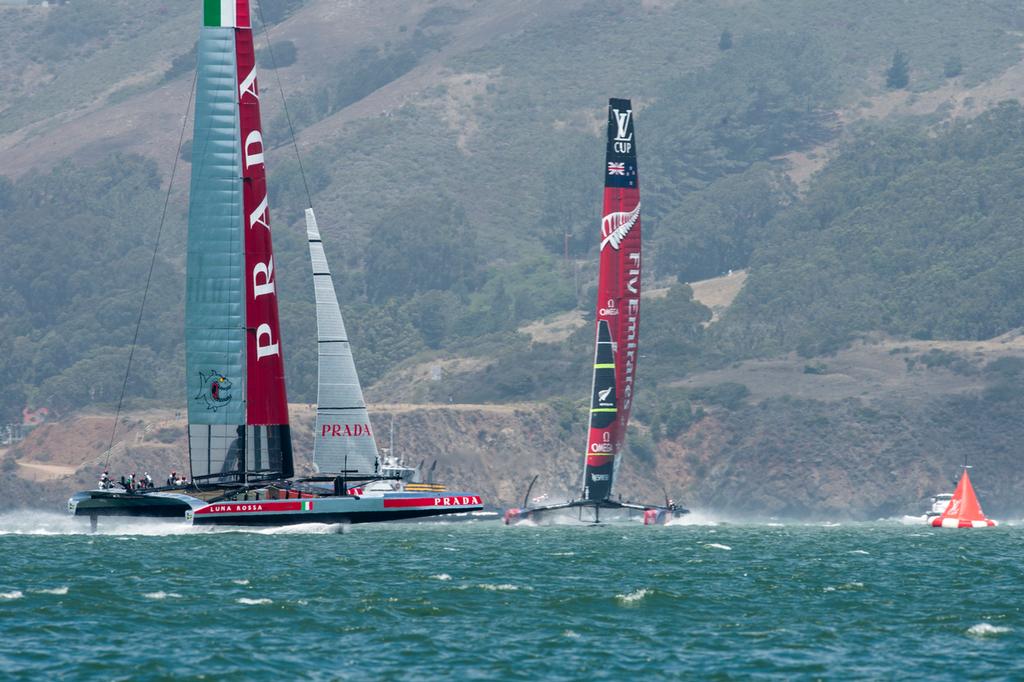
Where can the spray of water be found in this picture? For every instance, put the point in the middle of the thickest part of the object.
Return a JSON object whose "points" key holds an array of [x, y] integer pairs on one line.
{"points": [[30, 522]]}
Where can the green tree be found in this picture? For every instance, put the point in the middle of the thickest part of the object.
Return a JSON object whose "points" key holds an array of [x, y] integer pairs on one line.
{"points": [[678, 417], [284, 54], [906, 231], [182, 64], [729, 395], [567, 205], [770, 95], [716, 229], [426, 243], [432, 314], [673, 325], [952, 67], [640, 446], [7, 196], [79, 22], [274, 11], [897, 77], [382, 336]]}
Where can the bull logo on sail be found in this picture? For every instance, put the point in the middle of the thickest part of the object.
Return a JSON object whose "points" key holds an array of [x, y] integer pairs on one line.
{"points": [[214, 390], [615, 226]]}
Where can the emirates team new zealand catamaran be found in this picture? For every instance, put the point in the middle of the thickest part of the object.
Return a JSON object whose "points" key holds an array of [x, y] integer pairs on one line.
{"points": [[239, 439], [618, 338]]}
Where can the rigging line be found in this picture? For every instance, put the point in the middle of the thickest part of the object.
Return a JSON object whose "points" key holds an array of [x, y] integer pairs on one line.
{"points": [[152, 265], [284, 101]]}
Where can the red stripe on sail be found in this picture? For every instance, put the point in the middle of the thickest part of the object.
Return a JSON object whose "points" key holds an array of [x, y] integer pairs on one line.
{"points": [[441, 501], [620, 281], [249, 507], [618, 304], [242, 19], [266, 399]]}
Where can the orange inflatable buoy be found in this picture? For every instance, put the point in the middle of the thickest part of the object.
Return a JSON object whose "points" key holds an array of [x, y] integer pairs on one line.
{"points": [[963, 510]]}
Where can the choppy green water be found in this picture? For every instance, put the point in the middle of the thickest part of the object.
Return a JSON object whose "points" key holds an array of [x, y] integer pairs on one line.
{"points": [[483, 601]]}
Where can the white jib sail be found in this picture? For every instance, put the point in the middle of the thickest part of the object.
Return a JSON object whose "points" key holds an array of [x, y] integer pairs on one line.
{"points": [[343, 441]]}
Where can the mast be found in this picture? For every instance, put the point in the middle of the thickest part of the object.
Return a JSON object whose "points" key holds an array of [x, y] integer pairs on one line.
{"points": [[343, 443], [618, 306], [238, 407]]}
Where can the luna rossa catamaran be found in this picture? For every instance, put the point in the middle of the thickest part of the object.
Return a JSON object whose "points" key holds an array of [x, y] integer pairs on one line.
{"points": [[617, 332], [239, 439]]}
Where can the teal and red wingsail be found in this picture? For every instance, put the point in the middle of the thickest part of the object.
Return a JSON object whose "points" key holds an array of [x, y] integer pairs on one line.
{"points": [[618, 305], [238, 406]]}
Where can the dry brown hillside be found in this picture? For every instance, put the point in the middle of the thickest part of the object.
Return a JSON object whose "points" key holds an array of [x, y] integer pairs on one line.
{"points": [[870, 432]]}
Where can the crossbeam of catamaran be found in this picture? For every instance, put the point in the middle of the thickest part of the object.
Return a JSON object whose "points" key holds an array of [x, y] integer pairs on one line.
{"points": [[617, 332]]}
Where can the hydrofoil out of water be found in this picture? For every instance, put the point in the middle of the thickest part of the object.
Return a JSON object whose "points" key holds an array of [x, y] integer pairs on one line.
{"points": [[593, 511]]}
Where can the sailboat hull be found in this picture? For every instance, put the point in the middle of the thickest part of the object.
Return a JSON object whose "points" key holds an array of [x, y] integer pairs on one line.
{"points": [[346, 509], [95, 503], [596, 511]]}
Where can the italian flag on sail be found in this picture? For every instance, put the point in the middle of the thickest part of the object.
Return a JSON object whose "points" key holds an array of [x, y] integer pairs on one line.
{"points": [[307, 506], [220, 13]]}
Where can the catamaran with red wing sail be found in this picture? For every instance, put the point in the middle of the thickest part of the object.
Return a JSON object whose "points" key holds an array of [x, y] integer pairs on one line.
{"points": [[239, 440], [617, 332]]}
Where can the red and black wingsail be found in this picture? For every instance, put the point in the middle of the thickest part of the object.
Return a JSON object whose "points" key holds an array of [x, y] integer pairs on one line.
{"points": [[618, 305]]}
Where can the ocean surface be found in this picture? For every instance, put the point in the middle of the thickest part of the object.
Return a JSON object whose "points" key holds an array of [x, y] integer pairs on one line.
{"points": [[701, 600]]}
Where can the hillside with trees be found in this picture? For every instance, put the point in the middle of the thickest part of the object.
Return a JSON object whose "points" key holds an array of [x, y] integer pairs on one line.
{"points": [[452, 151]]}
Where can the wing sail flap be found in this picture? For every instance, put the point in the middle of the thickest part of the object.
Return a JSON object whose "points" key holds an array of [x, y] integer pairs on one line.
{"points": [[618, 305]]}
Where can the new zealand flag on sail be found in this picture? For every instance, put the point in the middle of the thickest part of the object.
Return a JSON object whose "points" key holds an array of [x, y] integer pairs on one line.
{"points": [[621, 153]]}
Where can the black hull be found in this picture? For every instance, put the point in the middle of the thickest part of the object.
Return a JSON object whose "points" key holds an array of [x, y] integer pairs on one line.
{"points": [[96, 503], [294, 519], [589, 511]]}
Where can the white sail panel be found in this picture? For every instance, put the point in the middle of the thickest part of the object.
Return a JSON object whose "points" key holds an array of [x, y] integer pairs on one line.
{"points": [[343, 441]]}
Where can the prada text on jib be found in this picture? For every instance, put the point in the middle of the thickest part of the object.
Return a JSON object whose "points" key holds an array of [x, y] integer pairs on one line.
{"points": [[331, 430]]}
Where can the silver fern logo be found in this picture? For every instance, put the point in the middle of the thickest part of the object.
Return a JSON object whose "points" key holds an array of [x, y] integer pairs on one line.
{"points": [[615, 226]]}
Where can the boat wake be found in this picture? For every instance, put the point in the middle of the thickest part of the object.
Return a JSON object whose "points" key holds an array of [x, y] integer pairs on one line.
{"points": [[161, 595], [696, 518], [301, 529], [31, 522], [28, 522], [986, 630], [633, 597]]}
